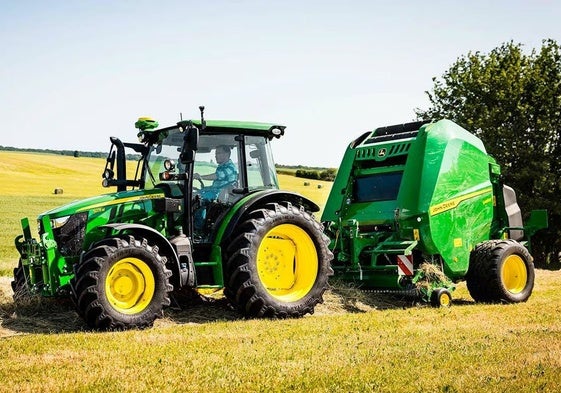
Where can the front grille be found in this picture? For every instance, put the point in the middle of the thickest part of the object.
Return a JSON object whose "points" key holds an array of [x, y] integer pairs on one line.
{"points": [[70, 236]]}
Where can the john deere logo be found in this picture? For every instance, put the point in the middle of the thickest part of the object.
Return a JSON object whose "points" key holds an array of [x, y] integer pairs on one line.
{"points": [[382, 153]]}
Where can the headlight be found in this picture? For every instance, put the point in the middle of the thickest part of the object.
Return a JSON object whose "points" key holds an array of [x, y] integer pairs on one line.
{"points": [[169, 165], [69, 232], [58, 222]]}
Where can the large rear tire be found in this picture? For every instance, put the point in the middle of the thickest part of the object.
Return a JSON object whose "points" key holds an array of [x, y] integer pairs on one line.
{"points": [[500, 271], [278, 263], [121, 283]]}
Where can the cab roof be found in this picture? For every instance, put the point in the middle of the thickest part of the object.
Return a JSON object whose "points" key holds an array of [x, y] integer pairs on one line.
{"points": [[236, 127]]}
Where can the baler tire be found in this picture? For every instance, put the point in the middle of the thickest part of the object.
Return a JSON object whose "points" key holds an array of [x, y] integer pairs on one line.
{"points": [[441, 297], [278, 263], [500, 271], [476, 277], [121, 283]]}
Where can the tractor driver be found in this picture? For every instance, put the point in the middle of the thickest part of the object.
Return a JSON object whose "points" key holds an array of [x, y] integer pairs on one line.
{"points": [[225, 174]]}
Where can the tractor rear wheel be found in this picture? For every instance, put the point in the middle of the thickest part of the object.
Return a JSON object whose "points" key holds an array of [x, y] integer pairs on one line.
{"points": [[500, 271], [278, 263], [121, 283]]}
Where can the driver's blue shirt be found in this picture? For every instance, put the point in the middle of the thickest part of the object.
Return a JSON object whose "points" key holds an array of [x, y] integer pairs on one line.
{"points": [[226, 174]]}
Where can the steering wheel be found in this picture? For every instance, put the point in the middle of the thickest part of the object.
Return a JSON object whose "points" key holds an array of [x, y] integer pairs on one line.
{"points": [[202, 185]]}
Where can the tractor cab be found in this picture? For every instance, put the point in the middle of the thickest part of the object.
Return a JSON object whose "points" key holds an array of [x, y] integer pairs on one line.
{"points": [[230, 160], [205, 166]]}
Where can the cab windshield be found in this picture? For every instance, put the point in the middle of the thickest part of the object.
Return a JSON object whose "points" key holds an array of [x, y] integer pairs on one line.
{"points": [[246, 160]]}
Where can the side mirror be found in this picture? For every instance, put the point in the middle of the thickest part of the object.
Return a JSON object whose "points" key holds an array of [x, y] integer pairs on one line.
{"points": [[108, 173], [192, 138], [190, 145]]}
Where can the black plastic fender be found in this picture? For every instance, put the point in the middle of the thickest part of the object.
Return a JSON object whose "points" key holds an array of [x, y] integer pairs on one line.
{"points": [[181, 275], [254, 201]]}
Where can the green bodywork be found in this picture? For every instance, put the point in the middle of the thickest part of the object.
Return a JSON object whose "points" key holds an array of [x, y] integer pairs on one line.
{"points": [[425, 192], [156, 207], [50, 260]]}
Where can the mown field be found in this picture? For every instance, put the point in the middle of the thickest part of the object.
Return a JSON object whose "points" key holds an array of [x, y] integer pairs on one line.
{"points": [[355, 342]]}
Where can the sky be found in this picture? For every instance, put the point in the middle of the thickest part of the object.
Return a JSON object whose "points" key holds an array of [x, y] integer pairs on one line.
{"points": [[74, 73]]}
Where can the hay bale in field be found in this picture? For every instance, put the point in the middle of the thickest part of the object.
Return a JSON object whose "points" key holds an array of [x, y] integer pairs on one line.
{"points": [[58, 191], [320, 186], [306, 183]]}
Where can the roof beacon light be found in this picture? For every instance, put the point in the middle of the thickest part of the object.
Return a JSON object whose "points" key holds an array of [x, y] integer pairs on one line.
{"points": [[146, 123]]}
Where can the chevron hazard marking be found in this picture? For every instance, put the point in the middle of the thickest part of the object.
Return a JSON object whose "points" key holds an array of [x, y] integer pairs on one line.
{"points": [[405, 265]]}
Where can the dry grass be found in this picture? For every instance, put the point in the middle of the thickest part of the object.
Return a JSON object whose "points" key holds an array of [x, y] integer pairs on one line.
{"points": [[37, 314], [43, 315], [39, 174], [431, 274], [355, 342]]}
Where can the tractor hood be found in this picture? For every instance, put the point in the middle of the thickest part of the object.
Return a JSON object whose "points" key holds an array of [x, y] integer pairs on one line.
{"points": [[103, 202]]}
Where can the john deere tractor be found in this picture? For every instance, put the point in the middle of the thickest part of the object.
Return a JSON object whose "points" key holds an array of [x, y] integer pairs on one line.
{"points": [[418, 207], [182, 217]]}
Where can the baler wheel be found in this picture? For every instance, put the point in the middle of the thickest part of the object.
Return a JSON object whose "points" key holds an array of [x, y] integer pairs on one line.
{"points": [[500, 271], [277, 263], [122, 283], [441, 297]]}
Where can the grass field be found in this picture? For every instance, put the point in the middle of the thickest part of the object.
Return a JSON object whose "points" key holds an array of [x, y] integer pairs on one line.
{"points": [[355, 342]]}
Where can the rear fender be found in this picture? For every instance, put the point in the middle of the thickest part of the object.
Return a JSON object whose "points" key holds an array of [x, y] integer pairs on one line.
{"points": [[253, 201]]}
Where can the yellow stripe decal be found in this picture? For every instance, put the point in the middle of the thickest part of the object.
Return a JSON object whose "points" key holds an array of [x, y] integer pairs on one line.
{"points": [[452, 203], [123, 200]]}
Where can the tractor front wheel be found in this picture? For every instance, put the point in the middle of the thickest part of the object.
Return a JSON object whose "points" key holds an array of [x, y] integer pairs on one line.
{"points": [[277, 263], [19, 284], [500, 271], [121, 283]]}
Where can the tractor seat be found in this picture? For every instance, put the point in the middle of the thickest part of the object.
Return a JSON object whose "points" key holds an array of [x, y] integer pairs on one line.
{"points": [[227, 195]]}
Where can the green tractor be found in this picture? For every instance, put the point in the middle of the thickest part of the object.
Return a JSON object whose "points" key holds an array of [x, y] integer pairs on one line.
{"points": [[418, 207], [201, 209]]}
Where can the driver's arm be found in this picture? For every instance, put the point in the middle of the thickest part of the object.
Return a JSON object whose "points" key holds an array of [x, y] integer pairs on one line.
{"points": [[210, 176]]}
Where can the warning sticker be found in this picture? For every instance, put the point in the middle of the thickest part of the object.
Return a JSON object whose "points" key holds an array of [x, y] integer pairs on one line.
{"points": [[405, 265]]}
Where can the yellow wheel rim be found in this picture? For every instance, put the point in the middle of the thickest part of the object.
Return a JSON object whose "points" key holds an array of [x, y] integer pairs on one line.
{"points": [[130, 286], [287, 263], [445, 300], [513, 274]]}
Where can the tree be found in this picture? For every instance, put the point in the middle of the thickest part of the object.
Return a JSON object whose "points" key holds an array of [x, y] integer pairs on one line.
{"points": [[512, 101]]}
